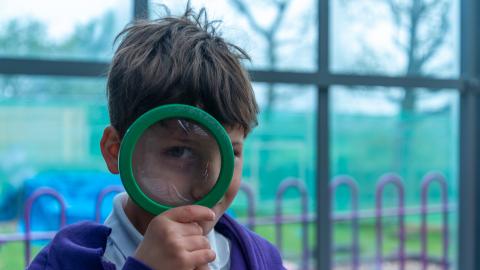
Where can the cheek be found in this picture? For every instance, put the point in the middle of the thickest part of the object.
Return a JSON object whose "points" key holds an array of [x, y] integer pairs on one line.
{"points": [[236, 180]]}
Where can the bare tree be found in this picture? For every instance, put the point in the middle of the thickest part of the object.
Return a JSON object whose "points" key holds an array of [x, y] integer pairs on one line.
{"points": [[269, 34], [422, 28], [29, 38], [426, 25]]}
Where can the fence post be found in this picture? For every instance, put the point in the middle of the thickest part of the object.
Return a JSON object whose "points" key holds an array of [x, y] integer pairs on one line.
{"points": [[352, 184], [101, 196], [297, 184], [27, 215], [247, 189], [384, 180], [426, 183]]}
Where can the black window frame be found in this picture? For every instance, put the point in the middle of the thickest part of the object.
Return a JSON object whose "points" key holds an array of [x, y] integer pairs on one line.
{"points": [[467, 85]]}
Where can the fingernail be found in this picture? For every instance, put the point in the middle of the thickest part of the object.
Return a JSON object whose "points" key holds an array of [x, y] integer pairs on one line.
{"points": [[213, 214], [213, 255]]}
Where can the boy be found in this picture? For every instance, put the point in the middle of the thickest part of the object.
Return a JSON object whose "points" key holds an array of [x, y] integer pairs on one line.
{"points": [[170, 60]]}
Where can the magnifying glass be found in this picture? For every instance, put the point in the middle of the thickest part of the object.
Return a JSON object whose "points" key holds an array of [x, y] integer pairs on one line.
{"points": [[176, 155]]}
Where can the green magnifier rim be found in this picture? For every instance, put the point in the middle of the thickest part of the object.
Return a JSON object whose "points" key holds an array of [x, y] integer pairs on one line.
{"points": [[170, 111]]}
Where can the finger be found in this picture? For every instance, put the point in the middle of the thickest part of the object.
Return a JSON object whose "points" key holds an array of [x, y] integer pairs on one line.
{"points": [[188, 229], [202, 257], [190, 213], [197, 242]]}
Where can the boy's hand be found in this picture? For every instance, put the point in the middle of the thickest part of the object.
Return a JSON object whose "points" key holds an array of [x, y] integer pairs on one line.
{"points": [[175, 240]]}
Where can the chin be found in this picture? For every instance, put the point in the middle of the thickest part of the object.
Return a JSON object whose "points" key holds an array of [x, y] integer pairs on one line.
{"points": [[219, 209]]}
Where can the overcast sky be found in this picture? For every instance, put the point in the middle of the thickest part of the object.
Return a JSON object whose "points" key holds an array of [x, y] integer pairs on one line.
{"points": [[62, 16]]}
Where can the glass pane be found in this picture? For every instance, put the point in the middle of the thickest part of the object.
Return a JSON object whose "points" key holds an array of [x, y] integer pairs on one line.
{"points": [[279, 154], [62, 29], [383, 141], [278, 35], [394, 37], [50, 132], [50, 129]]}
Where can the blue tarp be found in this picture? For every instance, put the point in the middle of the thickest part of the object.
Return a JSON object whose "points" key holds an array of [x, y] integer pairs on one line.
{"points": [[8, 202], [79, 190]]}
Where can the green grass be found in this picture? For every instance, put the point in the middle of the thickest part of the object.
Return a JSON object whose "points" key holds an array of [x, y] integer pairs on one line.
{"points": [[11, 255], [292, 239]]}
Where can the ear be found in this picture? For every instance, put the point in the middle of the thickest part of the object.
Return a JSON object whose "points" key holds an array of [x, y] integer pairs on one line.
{"points": [[110, 146]]}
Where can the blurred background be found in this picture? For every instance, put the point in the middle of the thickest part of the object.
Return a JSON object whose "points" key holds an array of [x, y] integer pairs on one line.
{"points": [[365, 156]]}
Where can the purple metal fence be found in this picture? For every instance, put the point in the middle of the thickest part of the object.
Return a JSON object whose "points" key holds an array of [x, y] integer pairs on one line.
{"points": [[28, 209], [245, 188], [352, 185], [300, 186], [101, 196], [279, 219], [426, 182], [385, 180]]}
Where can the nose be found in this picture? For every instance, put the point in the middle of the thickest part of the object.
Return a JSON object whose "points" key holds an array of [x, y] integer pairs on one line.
{"points": [[200, 190], [202, 187]]}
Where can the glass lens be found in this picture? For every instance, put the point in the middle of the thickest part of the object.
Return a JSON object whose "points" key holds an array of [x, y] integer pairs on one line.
{"points": [[176, 162]]}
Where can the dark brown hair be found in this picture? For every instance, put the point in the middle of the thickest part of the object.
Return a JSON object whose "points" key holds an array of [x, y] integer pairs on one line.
{"points": [[179, 60]]}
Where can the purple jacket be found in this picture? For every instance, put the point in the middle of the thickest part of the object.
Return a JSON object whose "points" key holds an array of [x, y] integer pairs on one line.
{"points": [[81, 246]]}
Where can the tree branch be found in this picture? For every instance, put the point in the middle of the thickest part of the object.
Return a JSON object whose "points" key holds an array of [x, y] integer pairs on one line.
{"points": [[242, 8], [281, 7], [439, 38], [395, 10]]}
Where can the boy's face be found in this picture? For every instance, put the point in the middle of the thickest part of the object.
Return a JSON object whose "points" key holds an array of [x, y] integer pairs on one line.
{"points": [[110, 145], [176, 162], [237, 136]]}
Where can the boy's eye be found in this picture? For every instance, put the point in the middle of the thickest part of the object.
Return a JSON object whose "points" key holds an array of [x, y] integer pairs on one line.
{"points": [[179, 152], [237, 153]]}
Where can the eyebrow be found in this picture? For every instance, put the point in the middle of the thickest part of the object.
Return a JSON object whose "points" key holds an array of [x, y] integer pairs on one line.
{"points": [[237, 143]]}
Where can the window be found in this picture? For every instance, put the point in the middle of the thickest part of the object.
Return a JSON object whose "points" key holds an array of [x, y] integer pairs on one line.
{"points": [[403, 38], [377, 137], [362, 100], [56, 29], [278, 35]]}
